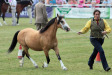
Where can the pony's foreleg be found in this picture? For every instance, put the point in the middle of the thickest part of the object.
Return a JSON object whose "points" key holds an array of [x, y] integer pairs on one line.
{"points": [[18, 18], [48, 59], [3, 17], [59, 58]]}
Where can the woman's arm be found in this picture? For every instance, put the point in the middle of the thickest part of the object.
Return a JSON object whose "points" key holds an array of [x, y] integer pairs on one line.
{"points": [[107, 27]]}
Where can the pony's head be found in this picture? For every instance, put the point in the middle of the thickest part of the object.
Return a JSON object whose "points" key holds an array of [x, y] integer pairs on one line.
{"points": [[59, 21], [62, 23]]}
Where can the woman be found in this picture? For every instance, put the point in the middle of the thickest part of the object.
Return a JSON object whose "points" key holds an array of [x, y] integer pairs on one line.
{"points": [[99, 27]]}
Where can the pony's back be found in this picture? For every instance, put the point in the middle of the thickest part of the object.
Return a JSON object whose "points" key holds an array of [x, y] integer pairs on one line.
{"points": [[27, 32], [26, 37]]}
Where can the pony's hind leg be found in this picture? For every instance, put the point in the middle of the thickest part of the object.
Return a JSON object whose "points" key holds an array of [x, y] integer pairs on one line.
{"points": [[27, 54], [59, 58]]}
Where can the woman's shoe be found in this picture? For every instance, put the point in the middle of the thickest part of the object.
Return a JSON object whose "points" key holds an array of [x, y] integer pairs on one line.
{"points": [[107, 69]]}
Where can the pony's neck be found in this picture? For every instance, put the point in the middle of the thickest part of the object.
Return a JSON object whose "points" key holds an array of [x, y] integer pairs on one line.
{"points": [[51, 32]]}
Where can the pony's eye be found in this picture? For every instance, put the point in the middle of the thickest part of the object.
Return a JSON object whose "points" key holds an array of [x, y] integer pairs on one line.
{"points": [[61, 21]]}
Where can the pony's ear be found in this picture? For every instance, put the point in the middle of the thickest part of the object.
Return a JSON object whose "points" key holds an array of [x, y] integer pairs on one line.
{"points": [[57, 17]]}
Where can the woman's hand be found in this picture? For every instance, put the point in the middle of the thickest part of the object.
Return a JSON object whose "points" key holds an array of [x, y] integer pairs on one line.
{"points": [[79, 33], [104, 32]]}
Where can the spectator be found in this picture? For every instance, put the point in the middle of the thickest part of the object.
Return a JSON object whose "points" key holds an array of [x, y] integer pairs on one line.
{"points": [[97, 2], [59, 1], [72, 2], [88, 3], [64, 2], [47, 2], [52, 2], [105, 2], [81, 2], [56, 1], [94, 2], [40, 15]]}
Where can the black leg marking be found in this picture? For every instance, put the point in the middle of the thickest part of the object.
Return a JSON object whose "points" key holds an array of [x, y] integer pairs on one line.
{"points": [[23, 53], [27, 56], [59, 58], [48, 60]]}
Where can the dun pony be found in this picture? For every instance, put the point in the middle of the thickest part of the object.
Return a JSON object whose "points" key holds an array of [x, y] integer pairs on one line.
{"points": [[42, 40]]}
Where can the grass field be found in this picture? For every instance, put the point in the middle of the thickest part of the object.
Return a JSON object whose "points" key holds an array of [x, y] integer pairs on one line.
{"points": [[74, 51]]}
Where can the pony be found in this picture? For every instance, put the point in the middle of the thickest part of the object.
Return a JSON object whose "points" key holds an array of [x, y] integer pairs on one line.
{"points": [[42, 40], [20, 6], [1, 1]]}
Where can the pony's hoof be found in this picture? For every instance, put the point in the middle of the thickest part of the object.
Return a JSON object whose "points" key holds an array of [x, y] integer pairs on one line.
{"points": [[45, 65], [64, 68], [5, 23], [21, 65], [17, 23]]}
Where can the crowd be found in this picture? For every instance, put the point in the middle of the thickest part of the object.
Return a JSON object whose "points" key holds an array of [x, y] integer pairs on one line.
{"points": [[81, 3]]}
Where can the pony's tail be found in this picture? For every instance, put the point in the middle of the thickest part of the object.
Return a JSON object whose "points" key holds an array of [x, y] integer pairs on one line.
{"points": [[14, 42]]}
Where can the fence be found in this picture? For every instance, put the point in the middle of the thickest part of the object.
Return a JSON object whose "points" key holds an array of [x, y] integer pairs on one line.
{"points": [[52, 10]]}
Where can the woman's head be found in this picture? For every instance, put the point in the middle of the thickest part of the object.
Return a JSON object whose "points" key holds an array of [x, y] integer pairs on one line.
{"points": [[96, 14]]}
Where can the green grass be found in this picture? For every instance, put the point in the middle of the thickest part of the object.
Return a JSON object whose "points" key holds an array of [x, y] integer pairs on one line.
{"points": [[74, 51]]}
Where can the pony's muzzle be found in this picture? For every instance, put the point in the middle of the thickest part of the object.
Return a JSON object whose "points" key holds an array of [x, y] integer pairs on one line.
{"points": [[67, 29]]}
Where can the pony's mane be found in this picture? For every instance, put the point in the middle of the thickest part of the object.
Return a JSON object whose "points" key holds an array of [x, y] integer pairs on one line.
{"points": [[50, 23]]}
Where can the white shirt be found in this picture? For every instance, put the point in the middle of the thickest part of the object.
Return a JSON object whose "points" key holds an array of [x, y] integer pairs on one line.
{"points": [[12, 3]]}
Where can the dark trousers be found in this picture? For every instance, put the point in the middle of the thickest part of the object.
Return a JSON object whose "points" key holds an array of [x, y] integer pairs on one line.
{"points": [[97, 43], [40, 25]]}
